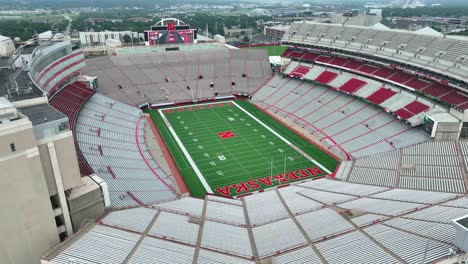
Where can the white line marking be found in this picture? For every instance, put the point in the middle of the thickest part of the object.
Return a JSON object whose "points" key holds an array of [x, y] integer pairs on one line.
{"points": [[194, 105], [187, 155], [282, 138]]}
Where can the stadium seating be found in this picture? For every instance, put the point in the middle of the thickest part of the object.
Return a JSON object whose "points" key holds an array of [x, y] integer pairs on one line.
{"points": [[401, 77], [114, 147], [417, 84], [368, 69], [411, 110], [137, 79], [430, 166], [444, 92], [381, 95], [69, 100], [348, 125], [413, 48], [412, 218], [353, 65], [384, 73], [326, 77], [299, 71], [338, 61], [352, 85]]}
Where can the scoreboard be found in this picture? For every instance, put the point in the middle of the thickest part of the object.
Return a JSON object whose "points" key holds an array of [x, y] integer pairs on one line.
{"points": [[170, 34]]}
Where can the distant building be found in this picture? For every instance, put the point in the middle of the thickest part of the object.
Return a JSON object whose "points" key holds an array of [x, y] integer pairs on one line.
{"points": [[140, 19], [96, 20], [50, 36], [99, 38], [219, 38], [406, 24]]}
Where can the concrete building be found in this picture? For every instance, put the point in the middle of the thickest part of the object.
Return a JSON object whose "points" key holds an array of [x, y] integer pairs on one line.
{"points": [[98, 38], [276, 32], [355, 20], [43, 197]]}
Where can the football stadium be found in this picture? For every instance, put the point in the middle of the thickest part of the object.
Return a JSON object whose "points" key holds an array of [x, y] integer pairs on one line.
{"points": [[354, 151]]}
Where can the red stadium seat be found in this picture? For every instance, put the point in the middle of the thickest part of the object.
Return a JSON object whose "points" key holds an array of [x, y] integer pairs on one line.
{"points": [[310, 56], [437, 89], [324, 59], [401, 77], [416, 107], [299, 71], [403, 114], [381, 95], [326, 77], [368, 69], [455, 98], [69, 101], [417, 84], [352, 85], [384, 72], [353, 65]]}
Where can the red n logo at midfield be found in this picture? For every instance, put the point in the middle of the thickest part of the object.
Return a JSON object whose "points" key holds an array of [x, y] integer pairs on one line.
{"points": [[226, 134]]}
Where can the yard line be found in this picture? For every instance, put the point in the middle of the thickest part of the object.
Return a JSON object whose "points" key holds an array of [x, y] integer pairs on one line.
{"points": [[282, 138], [187, 155]]}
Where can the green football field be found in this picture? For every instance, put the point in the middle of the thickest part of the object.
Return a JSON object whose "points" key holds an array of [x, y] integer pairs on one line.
{"points": [[274, 50], [232, 148]]}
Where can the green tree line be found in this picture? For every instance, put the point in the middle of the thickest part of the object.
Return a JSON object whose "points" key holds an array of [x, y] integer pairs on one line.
{"points": [[437, 11], [25, 29]]}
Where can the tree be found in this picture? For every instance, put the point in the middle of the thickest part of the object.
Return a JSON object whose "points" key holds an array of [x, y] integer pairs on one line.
{"points": [[126, 39]]}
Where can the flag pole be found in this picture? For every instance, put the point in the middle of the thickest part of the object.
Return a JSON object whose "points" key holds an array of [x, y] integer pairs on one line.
{"points": [[271, 168], [284, 170]]}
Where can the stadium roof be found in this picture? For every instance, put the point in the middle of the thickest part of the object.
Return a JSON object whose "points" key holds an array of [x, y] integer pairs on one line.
{"points": [[3, 38], [380, 26], [429, 31], [463, 221], [41, 114]]}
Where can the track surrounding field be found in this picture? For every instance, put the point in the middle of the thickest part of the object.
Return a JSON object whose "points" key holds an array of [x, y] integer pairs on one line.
{"points": [[231, 148]]}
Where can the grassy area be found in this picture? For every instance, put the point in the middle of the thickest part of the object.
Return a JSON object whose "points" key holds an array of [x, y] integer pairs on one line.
{"points": [[236, 148], [272, 50]]}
